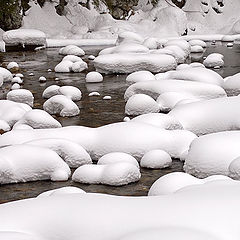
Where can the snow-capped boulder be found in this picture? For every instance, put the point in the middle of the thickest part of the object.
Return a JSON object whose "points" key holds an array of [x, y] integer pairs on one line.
{"points": [[72, 50], [151, 43], [64, 67], [160, 120], [21, 96], [17, 80], [61, 105], [156, 88], [6, 74], [156, 159], [94, 77], [175, 181], [4, 126], [179, 54], [213, 154], [232, 82], [72, 58], [128, 63], [183, 44], [198, 42], [42, 79], [37, 118], [12, 65], [23, 163], [209, 116], [128, 36], [72, 153], [234, 169], [78, 67], [140, 76], [115, 174], [141, 104], [197, 49], [214, 60], [115, 157], [51, 91], [228, 38], [71, 92]]}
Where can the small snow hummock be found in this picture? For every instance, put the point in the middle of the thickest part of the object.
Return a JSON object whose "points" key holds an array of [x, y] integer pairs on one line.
{"points": [[140, 76], [115, 174], [42, 79], [12, 65], [94, 77], [93, 94], [140, 104], [15, 86], [115, 157], [23, 163], [156, 159], [61, 105], [91, 57], [229, 45], [21, 96], [197, 49], [197, 42], [214, 60], [17, 80], [19, 75], [72, 50], [107, 98]]}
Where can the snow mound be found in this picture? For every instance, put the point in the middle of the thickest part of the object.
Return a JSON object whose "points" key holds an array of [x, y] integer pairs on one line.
{"points": [[72, 50], [71, 65], [4, 126], [198, 42], [71, 92], [42, 79], [115, 157], [160, 120], [24, 37], [156, 159], [232, 82], [23, 163], [17, 80], [37, 118], [93, 94], [197, 49], [140, 76], [51, 91], [6, 74], [128, 63], [60, 191], [100, 141], [141, 104], [94, 77], [72, 153], [214, 60], [78, 67], [173, 182], [1, 80], [115, 174], [178, 53], [21, 96], [195, 74], [61, 105], [209, 116], [128, 36], [183, 44], [151, 43], [156, 88], [12, 65], [213, 154], [228, 38]]}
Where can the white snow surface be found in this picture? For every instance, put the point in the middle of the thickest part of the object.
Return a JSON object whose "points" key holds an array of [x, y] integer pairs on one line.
{"points": [[140, 76], [94, 77], [72, 50], [6, 74], [232, 82], [12, 65], [21, 96], [214, 60]]}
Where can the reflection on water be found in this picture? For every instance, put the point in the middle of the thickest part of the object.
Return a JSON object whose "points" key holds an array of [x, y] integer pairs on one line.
{"points": [[94, 111]]}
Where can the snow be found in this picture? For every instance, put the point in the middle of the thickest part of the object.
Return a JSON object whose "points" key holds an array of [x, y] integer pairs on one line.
{"points": [[51, 91], [94, 77], [214, 60], [140, 76], [156, 88], [1, 80], [151, 43], [17, 80], [141, 104], [7, 75], [93, 94], [179, 54], [12, 65], [197, 49], [4, 126], [71, 92], [19, 75], [69, 64], [21, 96], [37, 118], [72, 58], [78, 67], [192, 73], [72, 50], [128, 36], [232, 82], [23, 163], [42, 79], [213, 154], [198, 42], [228, 38], [107, 98], [128, 63], [72, 153], [183, 44], [160, 120], [115, 174], [175, 181], [221, 115], [102, 140], [156, 159], [24, 37], [115, 157], [61, 105]]}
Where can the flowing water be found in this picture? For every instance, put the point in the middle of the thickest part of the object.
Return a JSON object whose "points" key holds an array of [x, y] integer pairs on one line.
{"points": [[95, 111]]}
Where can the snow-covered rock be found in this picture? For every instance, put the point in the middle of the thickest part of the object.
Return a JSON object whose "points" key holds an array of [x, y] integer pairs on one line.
{"points": [[107, 98], [94, 77], [140, 76], [128, 36], [100, 141], [197, 42], [179, 54], [72, 153], [160, 120], [72, 58], [128, 63], [51, 91], [115, 157], [4, 126], [1, 80], [21, 96], [232, 82], [213, 154], [151, 43], [61, 105], [72, 50], [17, 80], [71, 92], [197, 49], [183, 44], [156, 88], [78, 67], [175, 181], [228, 38], [115, 174], [37, 118], [93, 94], [70, 64], [209, 116], [23, 163], [6, 74], [156, 159], [12, 65], [64, 67], [214, 60], [42, 79], [141, 104]]}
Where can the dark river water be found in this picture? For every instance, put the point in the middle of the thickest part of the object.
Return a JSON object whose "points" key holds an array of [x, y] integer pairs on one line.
{"points": [[95, 111]]}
